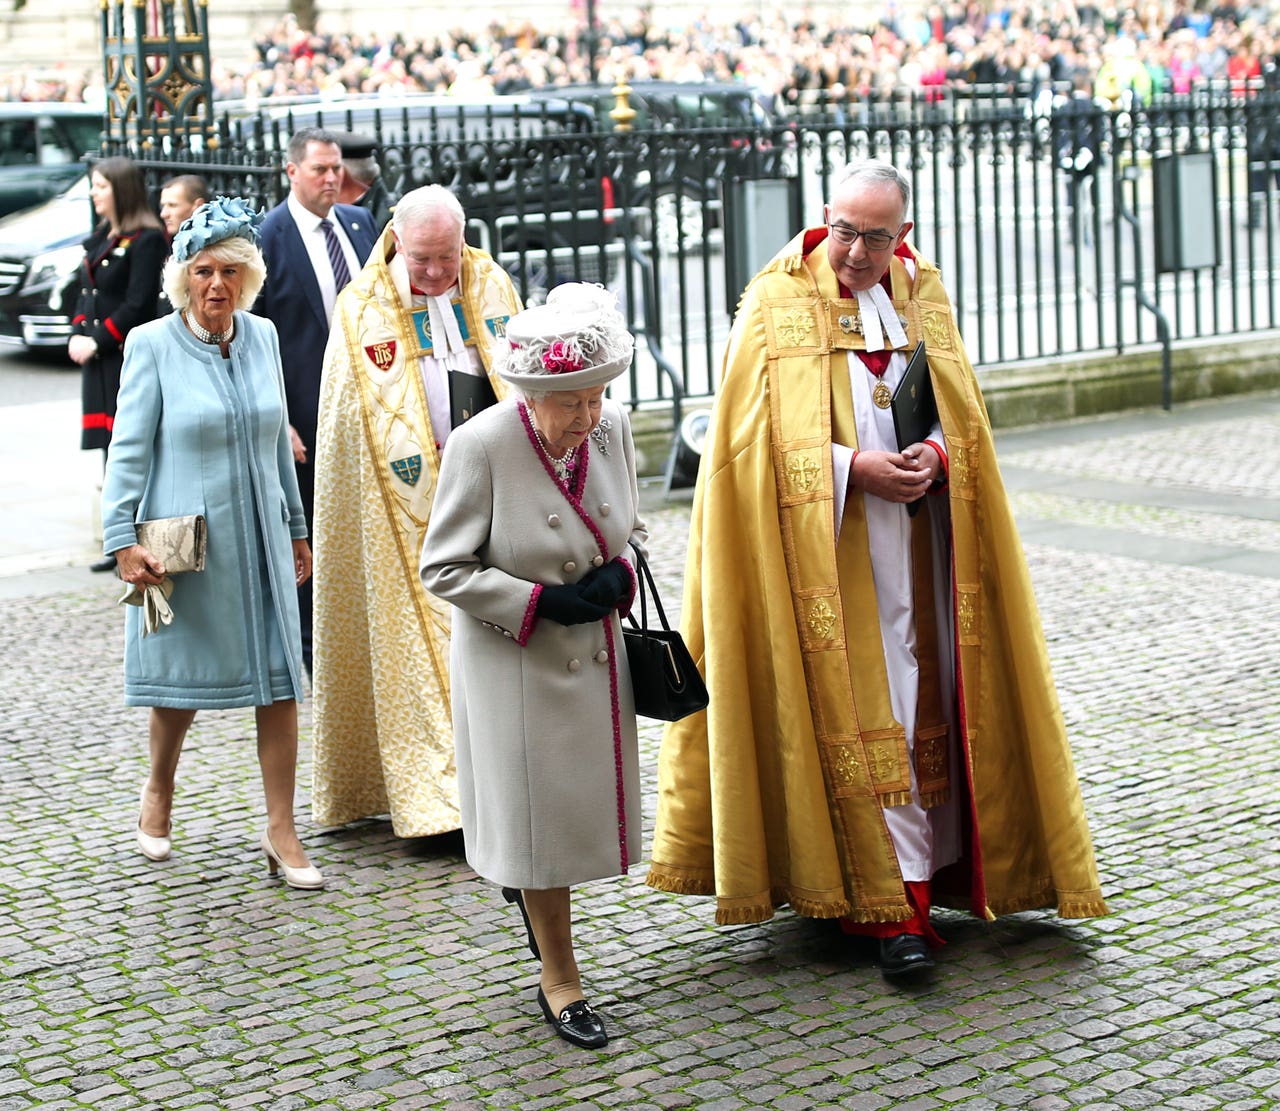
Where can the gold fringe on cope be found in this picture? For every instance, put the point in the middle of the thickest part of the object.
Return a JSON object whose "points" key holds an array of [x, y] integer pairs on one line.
{"points": [[680, 883], [743, 916], [812, 908], [753, 909], [1066, 904], [894, 912], [1081, 904], [895, 798], [745, 912], [930, 799]]}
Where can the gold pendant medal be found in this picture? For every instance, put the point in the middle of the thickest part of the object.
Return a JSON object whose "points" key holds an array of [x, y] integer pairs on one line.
{"points": [[882, 396]]}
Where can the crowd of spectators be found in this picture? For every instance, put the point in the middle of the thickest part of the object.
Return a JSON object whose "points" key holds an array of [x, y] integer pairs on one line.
{"points": [[1112, 51]]}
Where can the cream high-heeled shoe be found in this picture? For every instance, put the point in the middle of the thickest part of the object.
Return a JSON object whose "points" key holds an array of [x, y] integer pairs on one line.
{"points": [[153, 848], [309, 878]]}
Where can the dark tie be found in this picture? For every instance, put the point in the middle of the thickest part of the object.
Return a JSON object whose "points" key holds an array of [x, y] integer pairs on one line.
{"points": [[341, 275]]}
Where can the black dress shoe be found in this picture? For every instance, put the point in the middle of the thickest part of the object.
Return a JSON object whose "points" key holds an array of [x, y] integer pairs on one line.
{"points": [[904, 955], [106, 563], [577, 1023], [514, 895]]}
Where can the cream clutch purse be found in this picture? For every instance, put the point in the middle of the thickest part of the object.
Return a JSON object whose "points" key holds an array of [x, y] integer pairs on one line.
{"points": [[177, 542]]}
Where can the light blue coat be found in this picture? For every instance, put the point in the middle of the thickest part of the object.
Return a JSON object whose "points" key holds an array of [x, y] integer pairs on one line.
{"points": [[196, 433]]}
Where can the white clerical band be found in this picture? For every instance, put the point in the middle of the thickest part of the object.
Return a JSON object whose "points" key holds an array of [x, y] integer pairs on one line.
{"points": [[446, 336], [879, 318]]}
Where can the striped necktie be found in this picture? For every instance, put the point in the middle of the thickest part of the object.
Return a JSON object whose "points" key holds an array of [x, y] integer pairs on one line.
{"points": [[341, 275]]}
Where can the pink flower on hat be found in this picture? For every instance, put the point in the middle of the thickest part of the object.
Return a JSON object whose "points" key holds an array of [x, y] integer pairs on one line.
{"points": [[561, 357]]}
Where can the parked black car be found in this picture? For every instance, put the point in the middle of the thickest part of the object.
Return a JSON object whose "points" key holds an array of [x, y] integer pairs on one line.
{"points": [[667, 104], [527, 171], [42, 147], [681, 190], [40, 257]]}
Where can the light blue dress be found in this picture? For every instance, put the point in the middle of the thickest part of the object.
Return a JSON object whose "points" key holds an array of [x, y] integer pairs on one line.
{"points": [[197, 433]]}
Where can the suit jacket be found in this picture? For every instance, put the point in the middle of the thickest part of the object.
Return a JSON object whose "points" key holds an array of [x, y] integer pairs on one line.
{"points": [[291, 300]]}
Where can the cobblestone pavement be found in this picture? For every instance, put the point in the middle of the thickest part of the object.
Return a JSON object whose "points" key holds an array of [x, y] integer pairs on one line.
{"points": [[199, 983]]}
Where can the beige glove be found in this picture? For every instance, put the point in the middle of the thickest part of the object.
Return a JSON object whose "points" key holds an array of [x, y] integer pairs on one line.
{"points": [[154, 601]]}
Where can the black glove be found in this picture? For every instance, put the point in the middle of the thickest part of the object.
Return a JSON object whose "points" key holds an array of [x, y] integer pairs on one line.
{"points": [[565, 605], [607, 585]]}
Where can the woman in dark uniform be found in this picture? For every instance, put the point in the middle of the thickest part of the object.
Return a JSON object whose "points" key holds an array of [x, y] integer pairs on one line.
{"points": [[119, 283]]}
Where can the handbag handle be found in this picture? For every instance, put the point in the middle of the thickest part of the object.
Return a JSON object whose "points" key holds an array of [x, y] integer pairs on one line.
{"points": [[643, 575]]}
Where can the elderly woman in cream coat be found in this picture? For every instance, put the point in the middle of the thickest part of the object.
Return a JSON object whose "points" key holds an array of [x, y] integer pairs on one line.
{"points": [[528, 540]]}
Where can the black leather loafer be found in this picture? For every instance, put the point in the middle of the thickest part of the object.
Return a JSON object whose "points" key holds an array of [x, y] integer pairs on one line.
{"points": [[514, 895], [904, 955], [577, 1023]]}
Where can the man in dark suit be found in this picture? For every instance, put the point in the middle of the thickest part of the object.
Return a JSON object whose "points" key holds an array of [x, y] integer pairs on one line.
{"points": [[312, 246]]}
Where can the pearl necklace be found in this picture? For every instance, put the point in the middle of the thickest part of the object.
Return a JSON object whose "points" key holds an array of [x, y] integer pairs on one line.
{"points": [[563, 466], [206, 336]]}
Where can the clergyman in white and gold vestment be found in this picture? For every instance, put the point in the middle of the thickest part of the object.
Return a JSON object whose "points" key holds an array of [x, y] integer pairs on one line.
{"points": [[424, 305]]}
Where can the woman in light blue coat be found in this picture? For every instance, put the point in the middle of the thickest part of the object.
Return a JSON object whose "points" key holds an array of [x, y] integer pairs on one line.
{"points": [[201, 428]]}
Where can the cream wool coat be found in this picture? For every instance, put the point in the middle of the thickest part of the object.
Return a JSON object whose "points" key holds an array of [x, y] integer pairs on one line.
{"points": [[543, 714]]}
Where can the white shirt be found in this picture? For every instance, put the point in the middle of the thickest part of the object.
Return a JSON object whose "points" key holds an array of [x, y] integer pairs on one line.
{"points": [[313, 238]]}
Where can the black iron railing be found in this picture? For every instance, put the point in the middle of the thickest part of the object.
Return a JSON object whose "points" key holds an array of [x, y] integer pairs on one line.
{"points": [[1015, 198]]}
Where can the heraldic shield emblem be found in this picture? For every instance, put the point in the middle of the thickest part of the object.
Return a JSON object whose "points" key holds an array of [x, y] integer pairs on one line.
{"points": [[407, 469], [382, 354]]}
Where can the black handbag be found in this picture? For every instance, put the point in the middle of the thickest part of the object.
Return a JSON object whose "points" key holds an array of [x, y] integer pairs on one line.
{"points": [[664, 678]]}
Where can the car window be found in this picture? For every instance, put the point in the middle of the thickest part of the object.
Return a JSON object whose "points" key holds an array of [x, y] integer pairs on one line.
{"points": [[636, 101], [77, 135], [17, 142], [714, 110]]}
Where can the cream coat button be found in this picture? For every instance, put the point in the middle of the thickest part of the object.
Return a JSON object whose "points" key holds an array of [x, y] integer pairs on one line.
{"points": [[598, 561], [508, 633], [554, 520], [602, 656], [605, 509], [570, 567], [575, 665]]}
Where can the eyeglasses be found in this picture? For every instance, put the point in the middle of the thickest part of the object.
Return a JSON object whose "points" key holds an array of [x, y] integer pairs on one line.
{"points": [[875, 240]]}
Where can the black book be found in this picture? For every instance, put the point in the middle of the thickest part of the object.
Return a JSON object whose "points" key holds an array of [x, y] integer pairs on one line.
{"points": [[914, 410], [468, 395]]}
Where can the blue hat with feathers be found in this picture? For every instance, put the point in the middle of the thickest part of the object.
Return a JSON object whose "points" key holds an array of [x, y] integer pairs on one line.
{"points": [[216, 220]]}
